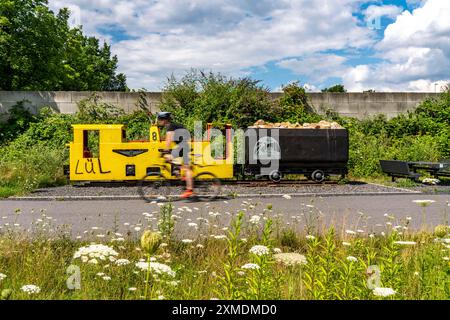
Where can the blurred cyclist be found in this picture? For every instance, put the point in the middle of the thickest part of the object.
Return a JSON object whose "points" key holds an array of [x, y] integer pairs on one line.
{"points": [[181, 136]]}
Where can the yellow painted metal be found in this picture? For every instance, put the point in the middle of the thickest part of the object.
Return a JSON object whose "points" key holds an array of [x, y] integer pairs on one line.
{"points": [[114, 154]]}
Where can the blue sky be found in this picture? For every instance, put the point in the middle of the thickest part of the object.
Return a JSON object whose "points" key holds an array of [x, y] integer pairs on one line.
{"points": [[386, 45]]}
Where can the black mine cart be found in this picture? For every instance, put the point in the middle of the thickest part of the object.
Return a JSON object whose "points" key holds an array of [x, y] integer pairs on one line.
{"points": [[315, 153]]}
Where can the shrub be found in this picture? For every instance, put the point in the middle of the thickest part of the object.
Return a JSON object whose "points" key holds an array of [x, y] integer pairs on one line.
{"points": [[215, 98], [18, 121]]}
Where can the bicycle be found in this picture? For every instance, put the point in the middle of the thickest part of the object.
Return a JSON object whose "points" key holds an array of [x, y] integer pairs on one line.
{"points": [[159, 188]]}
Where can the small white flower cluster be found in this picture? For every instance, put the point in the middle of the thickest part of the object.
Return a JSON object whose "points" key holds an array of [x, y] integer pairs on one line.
{"points": [[2, 276], [291, 259], [260, 250], [424, 203], [187, 241], [219, 237], [158, 268], [384, 292], [255, 219], [405, 243], [30, 289], [352, 259], [122, 262], [430, 181], [93, 252], [250, 266]]}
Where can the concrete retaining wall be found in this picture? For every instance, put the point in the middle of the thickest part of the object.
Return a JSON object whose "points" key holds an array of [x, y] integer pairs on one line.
{"points": [[359, 105]]}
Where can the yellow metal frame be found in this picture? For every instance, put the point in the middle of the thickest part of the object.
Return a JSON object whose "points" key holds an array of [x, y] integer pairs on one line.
{"points": [[115, 154]]}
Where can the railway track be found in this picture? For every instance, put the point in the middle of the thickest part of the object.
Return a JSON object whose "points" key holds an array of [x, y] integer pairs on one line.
{"points": [[256, 183], [240, 183]]}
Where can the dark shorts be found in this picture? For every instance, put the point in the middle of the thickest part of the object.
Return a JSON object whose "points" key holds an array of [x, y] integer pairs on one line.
{"points": [[182, 150]]}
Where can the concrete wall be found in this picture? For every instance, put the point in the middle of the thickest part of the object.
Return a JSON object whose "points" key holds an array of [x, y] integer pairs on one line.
{"points": [[359, 105]]}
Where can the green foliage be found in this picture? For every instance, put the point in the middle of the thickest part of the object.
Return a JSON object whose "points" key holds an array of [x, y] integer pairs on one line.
{"points": [[419, 135], [215, 98], [289, 239], [19, 119], [39, 51], [339, 88], [166, 222], [294, 106], [94, 110]]}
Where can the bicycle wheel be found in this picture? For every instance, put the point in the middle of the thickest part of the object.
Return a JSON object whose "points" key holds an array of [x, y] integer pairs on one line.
{"points": [[207, 186], [154, 190]]}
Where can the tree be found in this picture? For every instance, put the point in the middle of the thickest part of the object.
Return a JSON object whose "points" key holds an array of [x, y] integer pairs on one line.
{"points": [[339, 88], [215, 98], [39, 51], [294, 105]]}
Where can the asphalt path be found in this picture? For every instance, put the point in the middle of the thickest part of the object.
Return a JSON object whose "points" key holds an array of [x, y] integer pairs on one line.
{"points": [[102, 218]]}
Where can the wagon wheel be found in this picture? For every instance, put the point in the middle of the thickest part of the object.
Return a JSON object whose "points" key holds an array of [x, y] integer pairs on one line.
{"points": [[207, 186], [154, 190], [318, 176]]}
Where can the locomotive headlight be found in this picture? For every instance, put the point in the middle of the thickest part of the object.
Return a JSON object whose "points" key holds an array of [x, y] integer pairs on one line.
{"points": [[130, 170]]}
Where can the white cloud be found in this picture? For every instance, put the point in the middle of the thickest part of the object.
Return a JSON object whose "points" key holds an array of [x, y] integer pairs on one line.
{"points": [[234, 36], [317, 67], [415, 50], [229, 36], [374, 12]]}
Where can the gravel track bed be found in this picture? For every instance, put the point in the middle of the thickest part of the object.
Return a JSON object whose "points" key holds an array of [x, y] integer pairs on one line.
{"points": [[439, 189], [131, 190]]}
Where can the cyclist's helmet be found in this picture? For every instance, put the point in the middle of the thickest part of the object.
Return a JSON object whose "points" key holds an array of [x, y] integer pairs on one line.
{"points": [[164, 115]]}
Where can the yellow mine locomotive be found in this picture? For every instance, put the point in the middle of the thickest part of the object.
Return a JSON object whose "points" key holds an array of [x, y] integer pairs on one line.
{"points": [[101, 153]]}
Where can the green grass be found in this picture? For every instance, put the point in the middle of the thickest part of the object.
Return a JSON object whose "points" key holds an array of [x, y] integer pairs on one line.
{"points": [[6, 191], [338, 262]]}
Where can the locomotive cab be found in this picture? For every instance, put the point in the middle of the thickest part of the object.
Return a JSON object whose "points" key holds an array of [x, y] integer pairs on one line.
{"points": [[102, 153]]}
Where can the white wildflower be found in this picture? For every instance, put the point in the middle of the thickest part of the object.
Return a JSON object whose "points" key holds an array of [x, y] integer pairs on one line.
{"points": [[219, 237], [2, 276], [406, 243], [424, 203], [384, 292], [291, 259], [255, 219], [260, 250], [122, 262], [94, 252], [30, 289], [352, 259], [250, 266], [158, 268], [287, 197]]}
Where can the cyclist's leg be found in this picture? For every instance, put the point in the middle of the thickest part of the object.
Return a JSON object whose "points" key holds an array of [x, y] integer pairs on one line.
{"points": [[183, 150], [186, 154]]}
